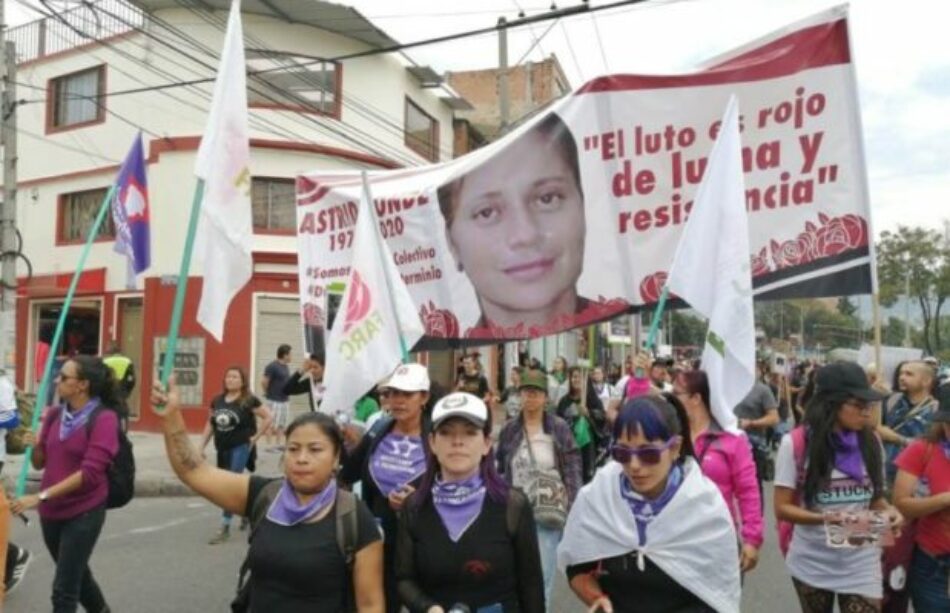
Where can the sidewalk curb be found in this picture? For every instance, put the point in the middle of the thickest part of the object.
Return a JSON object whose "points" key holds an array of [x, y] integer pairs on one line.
{"points": [[152, 487]]}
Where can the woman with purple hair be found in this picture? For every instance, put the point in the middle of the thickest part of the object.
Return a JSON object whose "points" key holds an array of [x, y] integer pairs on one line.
{"points": [[650, 533], [466, 540]]}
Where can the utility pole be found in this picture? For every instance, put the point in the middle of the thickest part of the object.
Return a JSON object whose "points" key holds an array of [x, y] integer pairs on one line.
{"points": [[8, 240], [503, 104], [907, 310]]}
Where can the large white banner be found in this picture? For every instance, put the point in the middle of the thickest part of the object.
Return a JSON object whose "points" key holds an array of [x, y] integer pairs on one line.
{"points": [[574, 217]]}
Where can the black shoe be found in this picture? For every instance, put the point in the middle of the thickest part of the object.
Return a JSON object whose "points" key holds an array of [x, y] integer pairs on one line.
{"points": [[19, 569]]}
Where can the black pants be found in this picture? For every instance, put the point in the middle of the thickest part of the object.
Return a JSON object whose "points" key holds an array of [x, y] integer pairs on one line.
{"points": [[13, 552], [70, 542]]}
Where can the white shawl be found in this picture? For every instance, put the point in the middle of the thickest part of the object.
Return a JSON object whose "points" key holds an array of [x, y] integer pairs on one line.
{"points": [[693, 539]]}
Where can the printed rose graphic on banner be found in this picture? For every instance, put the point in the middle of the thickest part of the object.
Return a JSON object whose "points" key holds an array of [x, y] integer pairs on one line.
{"points": [[313, 315], [652, 286], [760, 263], [835, 235], [359, 303], [439, 323]]}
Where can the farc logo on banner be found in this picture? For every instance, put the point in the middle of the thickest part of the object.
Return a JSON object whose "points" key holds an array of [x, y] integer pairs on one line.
{"points": [[360, 326]]}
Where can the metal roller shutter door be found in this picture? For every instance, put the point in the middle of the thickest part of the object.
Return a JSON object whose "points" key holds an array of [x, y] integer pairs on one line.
{"points": [[278, 322]]}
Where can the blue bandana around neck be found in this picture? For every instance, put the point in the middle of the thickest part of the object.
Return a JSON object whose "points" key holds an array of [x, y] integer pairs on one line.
{"points": [[645, 510], [287, 510], [848, 458], [458, 503], [69, 423]]}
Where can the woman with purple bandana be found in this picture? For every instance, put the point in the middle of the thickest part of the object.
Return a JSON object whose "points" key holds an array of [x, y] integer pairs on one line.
{"points": [[838, 468], [295, 559], [390, 459], [465, 538], [650, 533], [77, 443]]}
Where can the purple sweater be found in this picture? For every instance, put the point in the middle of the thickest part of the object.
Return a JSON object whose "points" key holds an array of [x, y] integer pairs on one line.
{"points": [[90, 450]]}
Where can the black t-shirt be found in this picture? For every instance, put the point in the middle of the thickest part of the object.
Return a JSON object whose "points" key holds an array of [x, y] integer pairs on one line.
{"points": [[277, 375], [300, 569], [476, 385], [233, 423], [634, 591]]}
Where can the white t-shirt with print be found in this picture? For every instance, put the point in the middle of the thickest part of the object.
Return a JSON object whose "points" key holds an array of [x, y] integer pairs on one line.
{"points": [[542, 445], [810, 560]]}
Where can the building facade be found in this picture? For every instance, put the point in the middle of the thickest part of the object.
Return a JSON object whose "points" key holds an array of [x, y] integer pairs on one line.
{"points": [[95, 76]]}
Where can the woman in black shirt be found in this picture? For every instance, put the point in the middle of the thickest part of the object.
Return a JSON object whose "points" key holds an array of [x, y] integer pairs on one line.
{"points": [[571, 408], [465, 538], [295, 557], [232, 422]]}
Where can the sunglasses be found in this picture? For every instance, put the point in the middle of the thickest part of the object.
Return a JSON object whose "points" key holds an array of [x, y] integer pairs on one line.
{"points": [[648, 455]]}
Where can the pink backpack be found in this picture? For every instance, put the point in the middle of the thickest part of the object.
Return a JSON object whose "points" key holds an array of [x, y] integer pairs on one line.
{"points": [[785, 528]]}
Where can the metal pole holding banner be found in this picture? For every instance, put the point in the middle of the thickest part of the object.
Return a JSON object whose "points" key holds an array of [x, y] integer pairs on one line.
{"points": [[58, 334], [168, 364]]}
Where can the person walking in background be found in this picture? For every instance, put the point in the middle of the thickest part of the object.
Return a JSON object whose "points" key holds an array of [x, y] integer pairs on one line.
{"points": [[537, 453], [123, 371], [833, 464], [308, 379], [922, 493], [17, 558], [581, 409], [511, 396], [908, 413], [77, 443], [726, 459], [466, 538], [601, 387], [758, 412], [232, 424], [558, 382], [650, 534], [275, 377], [472, 381]]}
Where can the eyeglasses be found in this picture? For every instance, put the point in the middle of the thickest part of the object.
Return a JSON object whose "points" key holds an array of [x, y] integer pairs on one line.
{"points": [[648, 455]]}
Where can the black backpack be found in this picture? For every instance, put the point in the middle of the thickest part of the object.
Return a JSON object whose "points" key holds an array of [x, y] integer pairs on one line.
{"points": [[347, 532], [121, 473]]}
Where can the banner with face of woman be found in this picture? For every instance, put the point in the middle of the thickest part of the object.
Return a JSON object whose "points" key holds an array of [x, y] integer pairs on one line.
{"points": [[574, 217]]}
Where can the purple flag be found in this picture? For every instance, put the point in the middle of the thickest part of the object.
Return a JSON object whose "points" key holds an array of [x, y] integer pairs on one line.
{"points": [[130, 212]]}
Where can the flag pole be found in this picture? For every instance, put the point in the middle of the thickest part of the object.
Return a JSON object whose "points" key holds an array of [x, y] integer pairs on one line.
{"points": [[657, 315], [58, 334], [368, 197], [168, 363]]}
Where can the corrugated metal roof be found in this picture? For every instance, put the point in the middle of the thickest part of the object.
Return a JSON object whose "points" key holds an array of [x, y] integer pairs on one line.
{"points": [[337, 18]]}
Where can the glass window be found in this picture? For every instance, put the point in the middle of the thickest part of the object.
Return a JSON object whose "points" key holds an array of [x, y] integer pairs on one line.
{"points": [[273, 202], [75, 98], [292, 81], [79, 210], [422, 132]]}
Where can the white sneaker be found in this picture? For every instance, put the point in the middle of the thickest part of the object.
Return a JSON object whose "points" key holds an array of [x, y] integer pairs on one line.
{"points": [[19, 569]]}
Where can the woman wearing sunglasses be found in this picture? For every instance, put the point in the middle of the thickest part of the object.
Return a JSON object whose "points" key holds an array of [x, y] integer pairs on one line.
{"points": [[650, 533], [725, 458], [833, 464]]}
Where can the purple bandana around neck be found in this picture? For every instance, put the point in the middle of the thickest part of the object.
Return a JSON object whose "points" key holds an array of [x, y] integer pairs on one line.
{"points": [[848, 458], [397, 460], [645, 510], [69, 423], [458, 503], [287, 510]]}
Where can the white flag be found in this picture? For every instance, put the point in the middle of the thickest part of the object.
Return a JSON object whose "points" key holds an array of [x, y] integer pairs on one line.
{"points": [[225, 229], [712, 272], [364, 343]]}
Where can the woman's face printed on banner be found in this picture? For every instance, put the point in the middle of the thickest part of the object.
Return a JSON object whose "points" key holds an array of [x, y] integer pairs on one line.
{"points": [[516, 227]]}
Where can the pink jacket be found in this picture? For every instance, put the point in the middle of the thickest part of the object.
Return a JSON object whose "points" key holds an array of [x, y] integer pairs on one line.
{"points": [[726, 459]]}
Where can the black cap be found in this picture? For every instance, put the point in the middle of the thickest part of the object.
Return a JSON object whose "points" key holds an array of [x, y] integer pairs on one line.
{"points": [[942, 413], [846, 378]]}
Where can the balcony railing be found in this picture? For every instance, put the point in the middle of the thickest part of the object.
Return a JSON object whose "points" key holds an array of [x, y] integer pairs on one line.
{"points": [[75, 27]]}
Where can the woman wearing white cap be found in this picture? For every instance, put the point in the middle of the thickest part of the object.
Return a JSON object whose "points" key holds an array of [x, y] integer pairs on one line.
{"points": [[466, 540], [391, 459]]}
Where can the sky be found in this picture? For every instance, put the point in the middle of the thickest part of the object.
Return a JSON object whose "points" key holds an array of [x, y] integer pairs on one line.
{"points": [[901, 50]]}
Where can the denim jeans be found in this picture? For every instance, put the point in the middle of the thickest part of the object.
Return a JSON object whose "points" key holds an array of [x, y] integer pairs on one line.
{"points": [[236, 463], [548, 539], [70, 543], [929, 578]]}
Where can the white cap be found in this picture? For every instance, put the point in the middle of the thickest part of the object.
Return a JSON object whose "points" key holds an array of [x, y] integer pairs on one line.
{"points": [[460, 404], [409, 378]]}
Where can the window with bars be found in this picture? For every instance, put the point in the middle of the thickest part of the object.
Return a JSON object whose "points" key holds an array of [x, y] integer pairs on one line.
{"points": [[78, 211], [289, 81], [273, 202], [76, 100], [422, 132]]}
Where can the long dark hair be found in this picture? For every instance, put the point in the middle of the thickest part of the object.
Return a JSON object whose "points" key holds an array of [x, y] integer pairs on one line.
{"points": [[696, 382], [821, 416], [245, 388], [496, 488], [101, 381]]}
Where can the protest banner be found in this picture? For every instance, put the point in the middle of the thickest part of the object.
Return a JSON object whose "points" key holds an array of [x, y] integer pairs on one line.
{"points": [[574, 217]]}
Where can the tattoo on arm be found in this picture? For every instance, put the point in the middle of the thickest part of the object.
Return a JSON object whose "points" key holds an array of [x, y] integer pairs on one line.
{"points": [[181, 452]]}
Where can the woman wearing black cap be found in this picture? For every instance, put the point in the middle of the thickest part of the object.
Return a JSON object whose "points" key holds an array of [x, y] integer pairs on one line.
{"points": [[833, 464], [922, 492], [466, 540]]}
